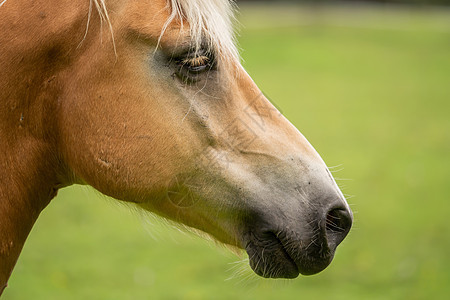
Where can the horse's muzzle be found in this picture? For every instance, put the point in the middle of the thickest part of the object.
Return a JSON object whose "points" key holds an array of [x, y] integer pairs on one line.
{"points": [[287, 252]]}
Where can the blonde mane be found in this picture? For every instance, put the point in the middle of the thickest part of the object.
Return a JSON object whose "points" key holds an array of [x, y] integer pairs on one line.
{"points": [[210, 21]]}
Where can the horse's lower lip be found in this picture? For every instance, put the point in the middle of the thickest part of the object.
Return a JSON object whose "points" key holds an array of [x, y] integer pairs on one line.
{"points": [[270, 258]]}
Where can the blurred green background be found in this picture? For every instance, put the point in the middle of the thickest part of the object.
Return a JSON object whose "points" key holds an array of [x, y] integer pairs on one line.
{"points": [[369, 86]]}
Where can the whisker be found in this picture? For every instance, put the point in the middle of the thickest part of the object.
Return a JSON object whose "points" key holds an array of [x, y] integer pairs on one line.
{"points": [[334, 167]]}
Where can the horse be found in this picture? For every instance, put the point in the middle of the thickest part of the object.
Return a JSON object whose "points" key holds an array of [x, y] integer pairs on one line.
{"points": [[147, 102]]}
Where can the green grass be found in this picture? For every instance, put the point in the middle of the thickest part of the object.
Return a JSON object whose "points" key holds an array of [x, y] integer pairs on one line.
{"points": [[373, 99]]}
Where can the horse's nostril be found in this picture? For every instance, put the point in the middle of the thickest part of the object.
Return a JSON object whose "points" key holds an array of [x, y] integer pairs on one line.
{"points": [[338, 223], [337, 220]]}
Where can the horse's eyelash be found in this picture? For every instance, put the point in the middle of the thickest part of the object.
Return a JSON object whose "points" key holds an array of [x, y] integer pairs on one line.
{"points": [[196, 61]]}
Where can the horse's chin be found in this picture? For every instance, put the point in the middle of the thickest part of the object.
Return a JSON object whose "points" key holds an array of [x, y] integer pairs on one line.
{"points": [[271, 260], [275, 256]]}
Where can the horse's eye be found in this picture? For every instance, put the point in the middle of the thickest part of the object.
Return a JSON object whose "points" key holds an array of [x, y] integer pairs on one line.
{"points": [[191, 66]]}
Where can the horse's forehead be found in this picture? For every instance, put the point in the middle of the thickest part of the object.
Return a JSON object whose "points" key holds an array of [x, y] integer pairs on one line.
{"points": [[146, 17], [148, 20]]}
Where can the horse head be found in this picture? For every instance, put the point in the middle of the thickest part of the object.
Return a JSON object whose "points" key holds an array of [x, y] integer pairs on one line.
{"points": [[151, 106]]}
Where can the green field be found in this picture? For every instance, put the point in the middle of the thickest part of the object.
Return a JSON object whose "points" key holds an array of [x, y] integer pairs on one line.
{"points": [[370, 89]]}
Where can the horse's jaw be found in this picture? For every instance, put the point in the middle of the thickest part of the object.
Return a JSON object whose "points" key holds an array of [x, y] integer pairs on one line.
{"points": [[288, 225]]}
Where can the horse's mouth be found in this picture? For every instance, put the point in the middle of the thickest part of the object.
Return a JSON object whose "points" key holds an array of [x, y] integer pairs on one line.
{"points": [[275, 256]]}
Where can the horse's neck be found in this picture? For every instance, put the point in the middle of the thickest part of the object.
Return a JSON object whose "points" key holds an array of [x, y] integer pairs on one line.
{"points": [[31, 64], [27, 184]]}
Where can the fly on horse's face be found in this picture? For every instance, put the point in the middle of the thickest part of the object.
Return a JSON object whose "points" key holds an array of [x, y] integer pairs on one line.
{"points": [[154, 108]]}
